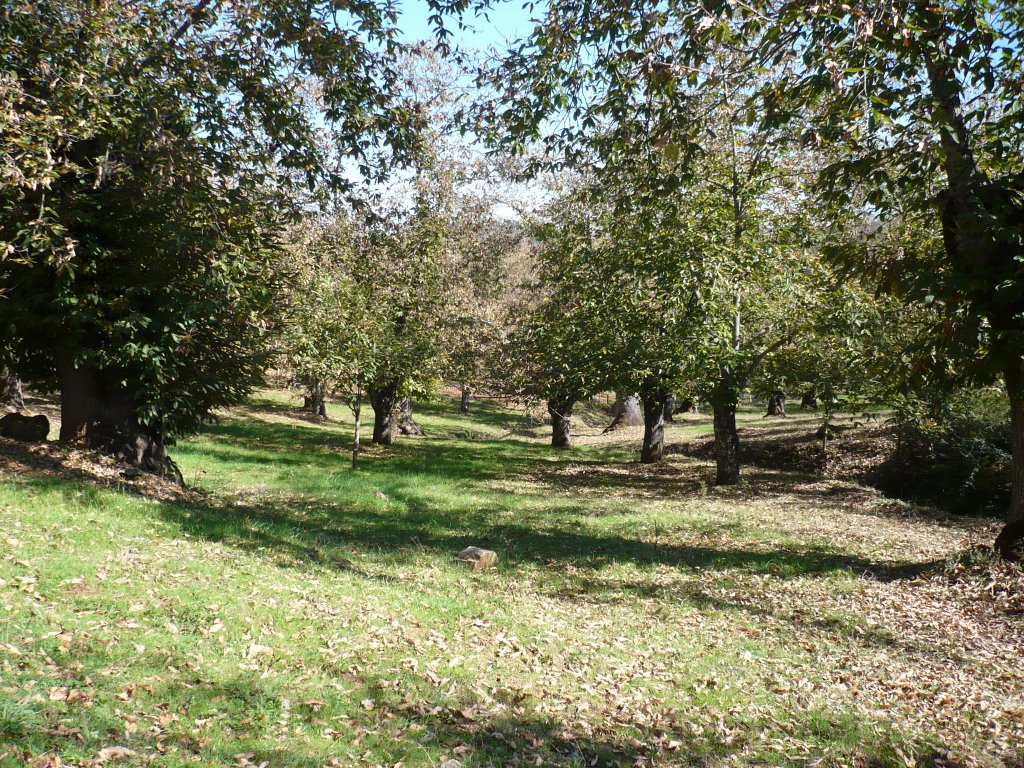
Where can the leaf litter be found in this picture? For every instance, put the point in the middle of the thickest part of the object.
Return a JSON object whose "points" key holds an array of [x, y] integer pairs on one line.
{"points": [[715, 650]]}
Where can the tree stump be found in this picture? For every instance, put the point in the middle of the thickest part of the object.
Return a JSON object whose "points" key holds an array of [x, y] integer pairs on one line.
{"points": [[26, 429]]}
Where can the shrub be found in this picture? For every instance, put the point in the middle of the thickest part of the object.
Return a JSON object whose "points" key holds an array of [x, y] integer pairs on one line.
{"points": [[954, 454]]}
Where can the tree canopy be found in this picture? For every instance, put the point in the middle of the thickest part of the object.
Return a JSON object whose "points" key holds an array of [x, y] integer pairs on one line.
{"points": [[149, 149]]}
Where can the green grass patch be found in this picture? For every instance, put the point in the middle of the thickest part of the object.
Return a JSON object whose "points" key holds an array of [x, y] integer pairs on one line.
{"points": [[301, 613]]}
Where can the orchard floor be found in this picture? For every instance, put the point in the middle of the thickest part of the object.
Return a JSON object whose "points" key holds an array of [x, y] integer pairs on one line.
{"points": [[289, 611]]}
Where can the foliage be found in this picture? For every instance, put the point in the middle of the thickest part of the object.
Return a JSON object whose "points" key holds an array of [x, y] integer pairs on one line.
{"points": [[145, 147], [332, 330], [916, 108], [619, 276], [921, 111], [490, 260], [404, 267], [434, 247], [117, 303], [851, 349], [954, 452]]}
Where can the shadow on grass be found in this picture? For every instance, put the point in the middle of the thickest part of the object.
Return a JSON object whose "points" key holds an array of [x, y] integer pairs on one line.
{"points": [[241, 718], [325, 533], [528, 528], [413, 727], [665, 481], [491, 413], [300, 445], [495, 414]]}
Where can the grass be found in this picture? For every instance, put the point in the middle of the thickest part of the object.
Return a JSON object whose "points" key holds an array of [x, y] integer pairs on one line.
{"points": [[299, 613]]}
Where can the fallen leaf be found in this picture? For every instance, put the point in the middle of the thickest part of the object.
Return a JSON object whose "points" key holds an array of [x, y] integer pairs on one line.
{"points": [[114, 753]]}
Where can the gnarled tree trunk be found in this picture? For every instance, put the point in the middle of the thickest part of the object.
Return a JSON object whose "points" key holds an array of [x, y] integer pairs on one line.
{"points": [[776, 404], [10, 390], [561, 422], [407, 425], [727, 444], [809, 401], [383, 399], [654, 426], [96, 410], [464, 403], [626, 412]]}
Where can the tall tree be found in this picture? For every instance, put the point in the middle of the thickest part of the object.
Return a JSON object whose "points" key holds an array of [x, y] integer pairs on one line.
{"points": [[144, 147], [921, 104], [549, 353], [405, 267], [438, 234], [623, 261], [330, 328], [491, 262]]}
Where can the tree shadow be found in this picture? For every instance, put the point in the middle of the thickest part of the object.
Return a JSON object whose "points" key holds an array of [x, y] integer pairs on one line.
{"points": [[637, 480], [323, 533], [414, 518], [489, 412], [295, 444], [287, 438], [851, 496], [222, 721], [412, 724], [320, 531]]}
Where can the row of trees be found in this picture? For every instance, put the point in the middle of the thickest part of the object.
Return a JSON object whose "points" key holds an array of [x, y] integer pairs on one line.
{"points": [[383, 307], [648, 292], [911, 115], [765, 194], [400, 287]]}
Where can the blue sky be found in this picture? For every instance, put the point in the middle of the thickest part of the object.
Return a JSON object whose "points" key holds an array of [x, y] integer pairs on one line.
{"points": [[505, 22]]}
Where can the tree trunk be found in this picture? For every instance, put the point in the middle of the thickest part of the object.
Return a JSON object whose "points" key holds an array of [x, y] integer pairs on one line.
{"points": [[654, 426], [686, 405], [78, 400], [464, 405], [561, 422], [727, 445], [809, 401], [97, 410], [972, 253], [10, 390], [1010, 542], [626, 412], [357, 417], [314, 402], [826, 429], [407, 425], [670, 407], [383, 401], [776, 404]]}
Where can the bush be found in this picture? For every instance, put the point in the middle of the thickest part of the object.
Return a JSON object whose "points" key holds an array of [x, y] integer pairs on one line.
{"points": [[955, 455]]}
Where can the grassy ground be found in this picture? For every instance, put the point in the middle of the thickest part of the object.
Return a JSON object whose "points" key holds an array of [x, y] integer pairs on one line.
{"points": [[295, 612]]}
